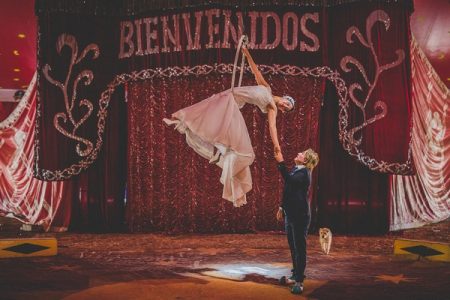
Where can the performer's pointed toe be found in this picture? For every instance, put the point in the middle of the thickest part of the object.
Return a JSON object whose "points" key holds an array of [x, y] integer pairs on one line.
{"points": [[169, 122]]}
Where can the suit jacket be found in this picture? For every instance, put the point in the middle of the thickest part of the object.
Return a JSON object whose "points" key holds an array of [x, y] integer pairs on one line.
{"points": [[295, 194]]}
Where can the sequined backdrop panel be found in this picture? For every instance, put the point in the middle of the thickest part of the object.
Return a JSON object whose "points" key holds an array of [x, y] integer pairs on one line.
{"points": [[172, 189]]}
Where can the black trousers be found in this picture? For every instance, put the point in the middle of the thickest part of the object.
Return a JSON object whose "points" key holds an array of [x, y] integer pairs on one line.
{"points": [[297, 231]]}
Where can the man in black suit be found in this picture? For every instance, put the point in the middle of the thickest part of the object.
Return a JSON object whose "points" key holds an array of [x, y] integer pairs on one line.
{"points": [[295, 210]]}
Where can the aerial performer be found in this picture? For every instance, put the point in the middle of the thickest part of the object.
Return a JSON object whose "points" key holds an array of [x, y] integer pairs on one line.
{"points": [[216, 129]]}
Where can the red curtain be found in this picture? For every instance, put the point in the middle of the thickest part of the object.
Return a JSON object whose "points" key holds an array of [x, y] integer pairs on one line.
{"points": [[21, 196], [352, 198], [172, 189], [99, 193], [425, 197]]}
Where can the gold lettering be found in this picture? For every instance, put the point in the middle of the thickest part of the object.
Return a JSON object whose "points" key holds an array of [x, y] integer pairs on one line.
{"points": [[126, 39], [316, 43], [151, 35], [168, 35], [213, 28]]}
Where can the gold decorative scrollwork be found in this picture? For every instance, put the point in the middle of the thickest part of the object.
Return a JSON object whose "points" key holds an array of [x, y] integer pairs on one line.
{"points": [[84, 147]]}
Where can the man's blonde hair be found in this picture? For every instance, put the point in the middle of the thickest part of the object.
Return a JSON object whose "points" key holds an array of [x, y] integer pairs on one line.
{"points": [[311, 159]]}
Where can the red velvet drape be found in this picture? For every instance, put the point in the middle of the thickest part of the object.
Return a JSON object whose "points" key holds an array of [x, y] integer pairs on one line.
{"points": [[352, 198], [425, 197], [21, 196], [99, 193]]}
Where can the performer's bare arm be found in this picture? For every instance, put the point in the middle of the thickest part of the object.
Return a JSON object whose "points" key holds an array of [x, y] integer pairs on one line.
{"points": [[272, 117], [271, 108], [280, 212], [258, 76]]}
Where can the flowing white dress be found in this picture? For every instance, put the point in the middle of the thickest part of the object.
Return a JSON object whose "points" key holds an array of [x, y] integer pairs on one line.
{"points": [[216, 123]]}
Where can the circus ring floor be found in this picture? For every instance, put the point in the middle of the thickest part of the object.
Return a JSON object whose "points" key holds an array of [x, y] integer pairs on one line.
{"points": [[237, 266]]}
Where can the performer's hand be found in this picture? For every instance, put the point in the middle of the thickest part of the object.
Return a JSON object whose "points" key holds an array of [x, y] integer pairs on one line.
{"points": [[244, 41], [280, 215], [278, 156], [276, 150]]}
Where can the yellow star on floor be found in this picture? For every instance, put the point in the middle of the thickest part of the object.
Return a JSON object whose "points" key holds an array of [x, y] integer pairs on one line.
{"points": [[394, 278]]}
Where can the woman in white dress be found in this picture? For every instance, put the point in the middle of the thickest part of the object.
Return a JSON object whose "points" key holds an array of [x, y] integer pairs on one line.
{"points": [[216, 124]]}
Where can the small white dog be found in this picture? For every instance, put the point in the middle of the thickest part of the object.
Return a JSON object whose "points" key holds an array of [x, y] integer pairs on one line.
{"points": [[325, 237]]}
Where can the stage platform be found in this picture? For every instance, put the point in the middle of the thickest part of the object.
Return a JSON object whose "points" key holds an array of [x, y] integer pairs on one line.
{"points": [[228, 266]]}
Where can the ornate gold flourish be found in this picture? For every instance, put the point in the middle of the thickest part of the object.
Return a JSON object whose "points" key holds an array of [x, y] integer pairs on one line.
{"points": [[346, 62], [84, 146]]}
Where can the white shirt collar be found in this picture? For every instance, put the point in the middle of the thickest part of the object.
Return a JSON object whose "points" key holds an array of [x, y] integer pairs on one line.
{"points": [[299, 167]]}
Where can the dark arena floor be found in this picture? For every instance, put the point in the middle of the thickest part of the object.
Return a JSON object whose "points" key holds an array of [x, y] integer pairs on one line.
{"points": [[228, 266]]}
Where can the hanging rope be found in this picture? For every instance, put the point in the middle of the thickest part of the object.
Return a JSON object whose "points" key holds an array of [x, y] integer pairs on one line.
{"points": [[243, 41]]}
